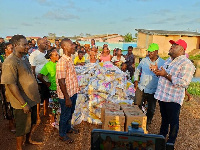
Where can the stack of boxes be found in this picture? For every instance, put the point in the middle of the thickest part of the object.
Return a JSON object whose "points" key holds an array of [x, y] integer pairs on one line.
{"points": [[118, 117]]}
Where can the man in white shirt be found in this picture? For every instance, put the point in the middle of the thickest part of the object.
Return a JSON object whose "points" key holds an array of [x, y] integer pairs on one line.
{"points": [[37, 61]]}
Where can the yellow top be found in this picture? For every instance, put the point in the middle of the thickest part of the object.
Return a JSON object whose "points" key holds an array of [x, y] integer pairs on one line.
{"points": [[77, 60]]}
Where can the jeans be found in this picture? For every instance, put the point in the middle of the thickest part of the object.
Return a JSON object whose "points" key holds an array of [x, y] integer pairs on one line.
{"points": [[170, 116], [66, 115]]}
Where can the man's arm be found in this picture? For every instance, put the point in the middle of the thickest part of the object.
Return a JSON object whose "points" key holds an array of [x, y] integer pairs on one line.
{"points": [[16, 93], [63, 88], [40, 77], [33, 69]]}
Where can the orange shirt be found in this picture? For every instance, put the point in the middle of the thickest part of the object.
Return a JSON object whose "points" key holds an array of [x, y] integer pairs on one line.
{"points": [[65, 69]]}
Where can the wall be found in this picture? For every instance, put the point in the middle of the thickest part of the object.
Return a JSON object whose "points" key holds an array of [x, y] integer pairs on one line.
{"points": [[114, 39]]}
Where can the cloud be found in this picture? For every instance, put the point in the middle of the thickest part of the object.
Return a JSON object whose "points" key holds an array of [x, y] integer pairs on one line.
{"points": [[45, 2], [162, 12], [165, 21], [60, 15], [26, 24], [130, 19]]}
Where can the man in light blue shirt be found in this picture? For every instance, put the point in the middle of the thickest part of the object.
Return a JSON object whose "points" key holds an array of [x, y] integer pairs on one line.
{"points": [[147, 84]]}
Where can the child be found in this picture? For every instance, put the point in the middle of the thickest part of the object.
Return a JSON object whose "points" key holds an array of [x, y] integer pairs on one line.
{"points": [[118, 59], [80, 59]]}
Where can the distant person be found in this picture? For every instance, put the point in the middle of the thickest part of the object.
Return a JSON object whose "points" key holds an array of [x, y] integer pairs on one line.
{"points": [[33, 47], [118, 59], [93, 57], [130, 61], [80, 59], [37, 60], [87, 52], [49, 47], [21, 90], [93, 43], [105, 55], [45, 37], [2, 45], [57, 45], [67, 89], [6, 106], [147, 85], [174, 77], [124, 69]]}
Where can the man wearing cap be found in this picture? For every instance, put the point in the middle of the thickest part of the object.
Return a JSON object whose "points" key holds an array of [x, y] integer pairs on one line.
{"points": [[175, 76], [146, 86]]}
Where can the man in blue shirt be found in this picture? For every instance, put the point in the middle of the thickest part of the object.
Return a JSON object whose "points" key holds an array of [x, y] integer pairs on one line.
{"points": [[147, 84]]}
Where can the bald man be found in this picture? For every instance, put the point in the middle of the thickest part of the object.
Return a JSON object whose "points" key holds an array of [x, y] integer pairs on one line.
{"points": [[37, 60]]}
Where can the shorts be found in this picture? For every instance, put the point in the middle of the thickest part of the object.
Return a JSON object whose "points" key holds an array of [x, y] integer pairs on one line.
{"points": [[24, 121], [44, 92]]}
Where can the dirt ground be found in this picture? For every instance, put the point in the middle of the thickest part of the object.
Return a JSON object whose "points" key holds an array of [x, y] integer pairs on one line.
{"points": [[188, 137]]}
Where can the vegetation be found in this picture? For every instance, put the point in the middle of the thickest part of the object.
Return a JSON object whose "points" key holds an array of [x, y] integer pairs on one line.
{"points": [[196, 57], [128, 37], [194, 88]]}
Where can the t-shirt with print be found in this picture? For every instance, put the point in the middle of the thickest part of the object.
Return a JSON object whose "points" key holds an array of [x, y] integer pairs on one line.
{"points": [[118, 62], [18, 71], [49, 70], [38, 60]]}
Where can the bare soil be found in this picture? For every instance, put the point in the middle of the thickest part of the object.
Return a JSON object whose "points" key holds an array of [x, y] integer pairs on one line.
{"points": [[188, 137]]}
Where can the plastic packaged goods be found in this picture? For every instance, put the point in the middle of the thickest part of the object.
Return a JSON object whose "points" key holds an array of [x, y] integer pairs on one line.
{"points": [[100, 83]]}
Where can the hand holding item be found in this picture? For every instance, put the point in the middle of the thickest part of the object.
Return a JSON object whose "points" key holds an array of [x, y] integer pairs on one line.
{"points": [[153, 67], [161, 72]]}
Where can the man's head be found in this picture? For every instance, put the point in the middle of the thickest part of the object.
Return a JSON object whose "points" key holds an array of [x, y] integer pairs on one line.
{"points": [[68, 46], [178, 48], [1, 40], [33, 42], [130, 50], [57, 42], [45, 37], [20, 44], [42, 44], [153, 50], [8, 49], [80, 54]]}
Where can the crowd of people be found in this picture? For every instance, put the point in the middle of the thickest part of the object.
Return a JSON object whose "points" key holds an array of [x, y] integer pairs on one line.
{"points": [[31, 74]]}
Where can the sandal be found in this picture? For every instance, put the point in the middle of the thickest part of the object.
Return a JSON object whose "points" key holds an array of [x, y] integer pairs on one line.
{"points": [[72, 130], [66, 139]]}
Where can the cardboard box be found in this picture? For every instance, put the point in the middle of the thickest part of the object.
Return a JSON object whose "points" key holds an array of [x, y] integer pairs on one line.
{"points": [[114, 120], [131, 108], [138, 117], [108, 106]]}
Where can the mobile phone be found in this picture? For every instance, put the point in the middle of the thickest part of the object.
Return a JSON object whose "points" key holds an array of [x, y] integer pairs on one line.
{"points": [[115, 140]]}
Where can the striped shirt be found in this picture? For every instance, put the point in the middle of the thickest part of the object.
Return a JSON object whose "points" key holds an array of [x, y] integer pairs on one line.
{"points": [[65, 69], [181, 69]]}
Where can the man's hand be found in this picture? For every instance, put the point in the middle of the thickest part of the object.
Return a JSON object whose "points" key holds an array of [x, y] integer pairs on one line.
{"points": [[68, 102], [161, 72], [135, 84], [153, 67], [26, 109]]}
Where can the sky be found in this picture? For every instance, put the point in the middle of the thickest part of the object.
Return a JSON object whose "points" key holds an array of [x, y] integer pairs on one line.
{"points": [[75, 17]]}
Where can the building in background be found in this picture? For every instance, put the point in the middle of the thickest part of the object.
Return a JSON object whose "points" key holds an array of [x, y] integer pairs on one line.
{"points": [[162, 37]]}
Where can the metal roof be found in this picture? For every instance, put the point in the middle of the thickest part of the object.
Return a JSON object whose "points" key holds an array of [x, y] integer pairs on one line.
{"points": [[165, 32]]}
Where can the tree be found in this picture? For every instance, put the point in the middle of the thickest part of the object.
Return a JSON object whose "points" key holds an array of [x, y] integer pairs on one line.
{"points": [[128, 37], [52, 35]]}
